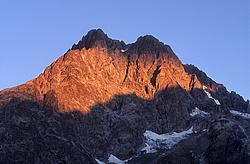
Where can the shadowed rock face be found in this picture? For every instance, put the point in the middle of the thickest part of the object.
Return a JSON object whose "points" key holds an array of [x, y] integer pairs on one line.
{"points": [[229, 100], [30, 133], [100, 97], [97, 38]]}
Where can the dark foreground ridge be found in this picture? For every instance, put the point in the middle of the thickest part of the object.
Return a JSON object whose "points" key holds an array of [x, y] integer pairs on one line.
{"points": [[105, 100]]}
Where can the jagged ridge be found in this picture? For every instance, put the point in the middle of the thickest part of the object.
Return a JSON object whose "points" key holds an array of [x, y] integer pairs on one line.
{"points": [[103, 94]]}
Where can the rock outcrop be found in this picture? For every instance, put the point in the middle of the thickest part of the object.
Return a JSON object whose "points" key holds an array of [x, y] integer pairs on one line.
{"points": [[100, 97]]}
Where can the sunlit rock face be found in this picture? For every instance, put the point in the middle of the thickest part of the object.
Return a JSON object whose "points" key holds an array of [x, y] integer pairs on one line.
{"points": [[97, 69], [101, 96]]}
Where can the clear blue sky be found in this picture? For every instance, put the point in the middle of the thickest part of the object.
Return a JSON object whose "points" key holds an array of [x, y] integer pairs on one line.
{"points": [[213, 35]]}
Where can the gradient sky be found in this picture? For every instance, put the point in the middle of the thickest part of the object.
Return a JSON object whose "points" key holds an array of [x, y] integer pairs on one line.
{"points": [[213, 35]]}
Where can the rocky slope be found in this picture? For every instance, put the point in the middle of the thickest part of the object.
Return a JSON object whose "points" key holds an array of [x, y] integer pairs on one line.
{"points": [[98, 99]]}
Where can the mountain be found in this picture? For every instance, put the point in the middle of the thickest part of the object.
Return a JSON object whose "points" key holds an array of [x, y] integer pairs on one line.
{"points": [[108, 101]]}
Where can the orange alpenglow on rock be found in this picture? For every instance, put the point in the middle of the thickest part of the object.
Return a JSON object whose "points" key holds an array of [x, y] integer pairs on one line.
{"points": [[108, 101], [97, 68]]}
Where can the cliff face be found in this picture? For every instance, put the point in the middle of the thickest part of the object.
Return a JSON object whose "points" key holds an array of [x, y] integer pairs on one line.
{"points": [[99, 67], [103, 94]]}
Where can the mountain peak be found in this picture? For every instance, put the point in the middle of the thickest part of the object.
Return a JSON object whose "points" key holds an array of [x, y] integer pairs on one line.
{"points": [[146, 44], [94, 103], [97, 38], [149, 38]]}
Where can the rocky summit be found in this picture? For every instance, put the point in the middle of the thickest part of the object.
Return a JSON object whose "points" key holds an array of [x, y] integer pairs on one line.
{"points": [[105, 101]]}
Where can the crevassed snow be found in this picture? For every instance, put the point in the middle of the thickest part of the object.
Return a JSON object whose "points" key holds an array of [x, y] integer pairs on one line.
{"points": [[155, 141], [116, 160], [245, 115], [99, 162], [199, 112], [210, 96]]}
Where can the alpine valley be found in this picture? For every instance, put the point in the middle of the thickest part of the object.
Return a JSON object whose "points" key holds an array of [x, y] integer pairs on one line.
{"points": [[105, 101]]}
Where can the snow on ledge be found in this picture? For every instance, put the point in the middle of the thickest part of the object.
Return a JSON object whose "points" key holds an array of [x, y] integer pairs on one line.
{"points": [[210, 96], [245, 115], [199, 112], [113, 159], [116, 160], [122, 50], [99, 162], [148, 149], [156, 141]]}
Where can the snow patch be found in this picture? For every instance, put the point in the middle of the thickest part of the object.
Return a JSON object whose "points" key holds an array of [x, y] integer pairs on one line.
{"points": [[210, 96], [116, 160], [245, 115], [199, 112], [99, 162], [205, 130], [113, 159], [148, 149], [122, 50], [156, 141]]}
